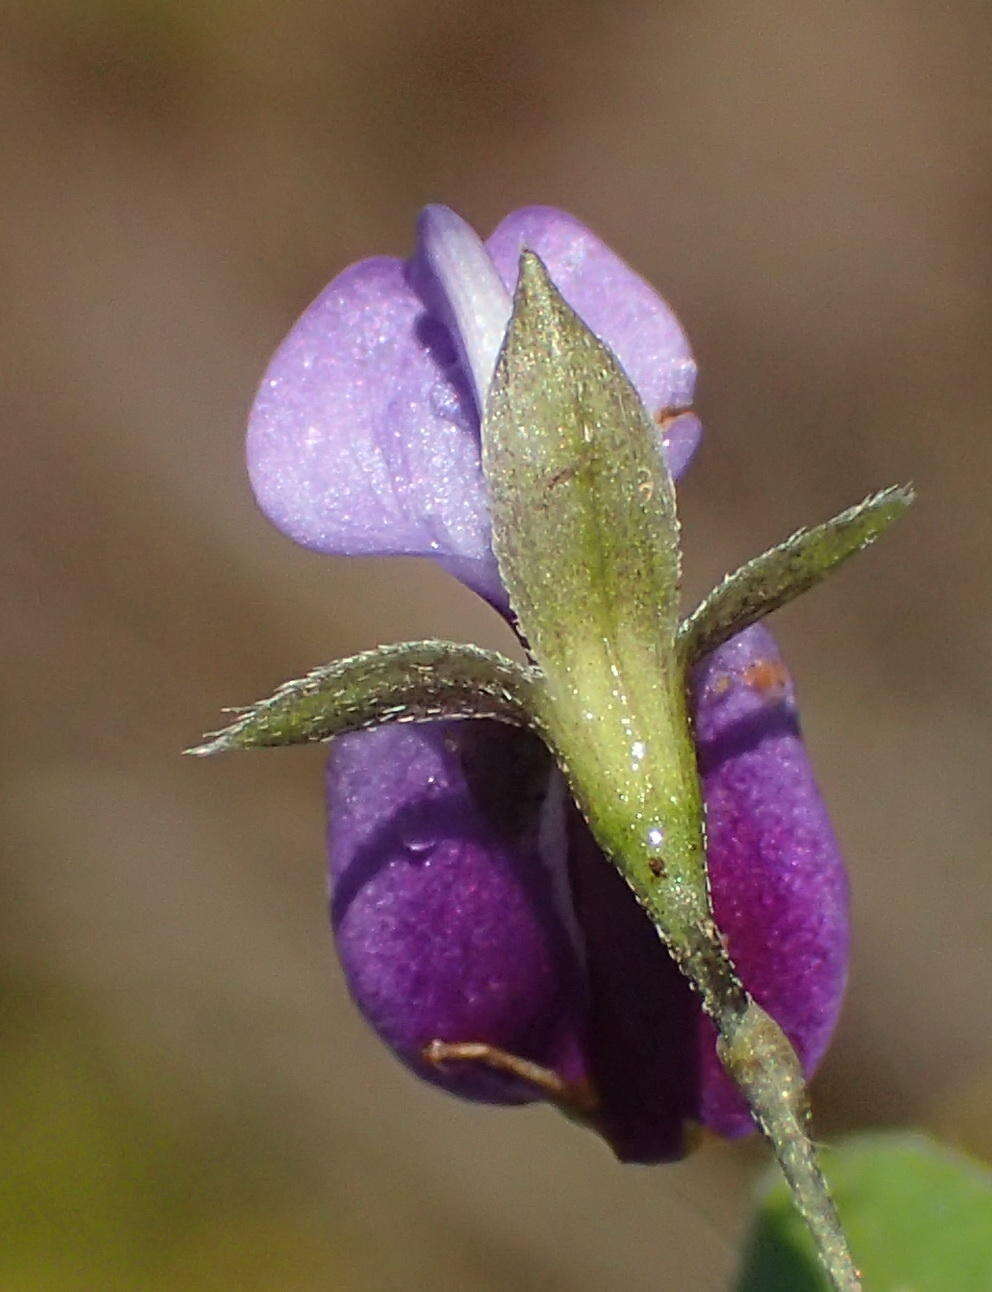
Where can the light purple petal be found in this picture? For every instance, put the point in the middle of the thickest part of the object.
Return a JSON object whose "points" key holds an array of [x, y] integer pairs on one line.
{"points": [[618, 305], [779, 886], [364, 435], [450, 900]]}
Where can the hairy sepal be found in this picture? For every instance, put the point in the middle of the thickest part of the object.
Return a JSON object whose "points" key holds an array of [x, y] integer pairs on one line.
{"points": [[408, 682]]}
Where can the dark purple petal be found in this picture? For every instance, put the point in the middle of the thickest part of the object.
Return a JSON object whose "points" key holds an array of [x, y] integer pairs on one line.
{"points": [[454, 921], [619, 306], [363, 438], [779, 886], [643, 1016], [450, 898]]}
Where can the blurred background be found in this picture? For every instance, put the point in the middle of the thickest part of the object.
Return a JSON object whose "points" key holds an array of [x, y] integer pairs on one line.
{"points": [[188, 1098]]}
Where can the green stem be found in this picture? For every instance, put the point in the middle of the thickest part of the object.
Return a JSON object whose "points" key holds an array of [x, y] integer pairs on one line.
{"points": [[759, 1058], [756, 1053]]}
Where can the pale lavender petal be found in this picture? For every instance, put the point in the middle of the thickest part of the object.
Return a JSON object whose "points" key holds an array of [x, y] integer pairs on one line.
{"points": [[466, 293], [450, 900], [680, 436], [618, 305], [364, 435], [779, 886]]}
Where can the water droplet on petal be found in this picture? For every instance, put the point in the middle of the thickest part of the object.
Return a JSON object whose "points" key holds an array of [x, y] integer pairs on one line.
{"points": [[419, 843]]}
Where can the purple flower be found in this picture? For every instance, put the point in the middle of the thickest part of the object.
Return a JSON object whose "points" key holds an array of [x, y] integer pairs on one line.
{"points": [[470, 902]]}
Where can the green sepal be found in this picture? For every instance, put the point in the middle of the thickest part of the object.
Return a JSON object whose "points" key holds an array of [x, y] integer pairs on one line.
{"points": [[409, 682], [583, 506], [586, 537], [771, 580]]}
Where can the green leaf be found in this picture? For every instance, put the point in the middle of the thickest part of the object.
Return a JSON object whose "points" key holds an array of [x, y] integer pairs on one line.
{"points": [[919, 1218], [769, 581], [410, 682]]}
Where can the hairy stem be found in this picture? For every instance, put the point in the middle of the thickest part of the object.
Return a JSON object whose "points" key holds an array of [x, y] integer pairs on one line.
{"points": [[756, 1053]]}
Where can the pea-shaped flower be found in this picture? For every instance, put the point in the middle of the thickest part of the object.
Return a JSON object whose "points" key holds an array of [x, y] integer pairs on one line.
{"points": [[483, 933]]}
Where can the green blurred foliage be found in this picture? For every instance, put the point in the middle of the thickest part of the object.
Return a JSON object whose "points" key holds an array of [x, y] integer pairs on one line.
{"points": [[960, 1115], [919, 1218], [103, 1184]]}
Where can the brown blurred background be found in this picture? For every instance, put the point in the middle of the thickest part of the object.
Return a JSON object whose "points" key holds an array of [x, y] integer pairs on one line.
{"points": [[189, 1100]]}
